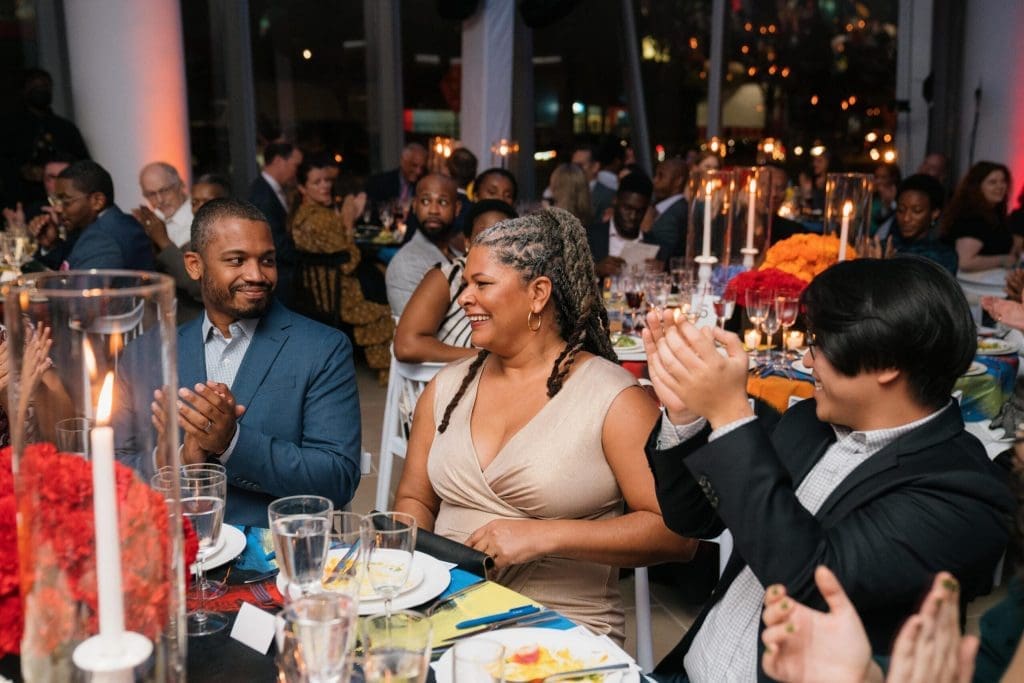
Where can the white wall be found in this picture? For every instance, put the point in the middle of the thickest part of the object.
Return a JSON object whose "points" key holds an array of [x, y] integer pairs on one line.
{"points": [[485, 114], [128, 86], [994, 59]]}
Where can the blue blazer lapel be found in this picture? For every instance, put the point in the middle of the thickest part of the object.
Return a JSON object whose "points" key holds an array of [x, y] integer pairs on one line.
{"points": [[191, 356], [270, 336]]}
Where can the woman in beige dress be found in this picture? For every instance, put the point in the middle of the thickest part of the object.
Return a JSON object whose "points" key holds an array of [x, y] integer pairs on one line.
{"points": [[532, 450]]}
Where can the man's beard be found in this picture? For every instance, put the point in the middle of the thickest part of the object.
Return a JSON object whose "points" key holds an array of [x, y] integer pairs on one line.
{"points": [[221, 300], [439, 234]]}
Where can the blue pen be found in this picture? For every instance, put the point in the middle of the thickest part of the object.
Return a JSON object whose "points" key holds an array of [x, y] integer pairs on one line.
{"points": [[490, 619]]}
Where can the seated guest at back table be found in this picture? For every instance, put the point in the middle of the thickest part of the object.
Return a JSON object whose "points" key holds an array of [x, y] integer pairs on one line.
{"points": [[874, 477], [608, 239], [100, 235], [433, 327], [569, 191], [493, 472], [300, 428], [168, 200], [319, 227], [436, 205], [496, 183], [913, 229], [975, 221], [666, 220]]}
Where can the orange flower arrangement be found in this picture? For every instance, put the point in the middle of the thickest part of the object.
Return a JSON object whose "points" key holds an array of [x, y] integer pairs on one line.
{"points": [[805, 255]]}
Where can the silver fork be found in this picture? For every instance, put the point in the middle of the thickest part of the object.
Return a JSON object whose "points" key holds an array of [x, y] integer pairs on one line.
{"points": [[261, 593]]}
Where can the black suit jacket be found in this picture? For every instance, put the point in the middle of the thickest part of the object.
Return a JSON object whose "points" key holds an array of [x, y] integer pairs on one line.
{"points": [[384, 186], [669, 230], [929, 501], [262, 195]]}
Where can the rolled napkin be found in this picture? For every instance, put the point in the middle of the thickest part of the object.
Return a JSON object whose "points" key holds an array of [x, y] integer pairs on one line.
{"points": [[447, 550]]}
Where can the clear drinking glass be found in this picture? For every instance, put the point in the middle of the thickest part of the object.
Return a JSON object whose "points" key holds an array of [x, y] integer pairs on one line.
{"points": [[343, 571], [770, 324], [304, 507], [725, 304], [315, 636], [787, 308], [212, 589], [478, 660], [396, 647], [757, 302], [301, 545], [203, 494], [389, 539], [73, 435]]}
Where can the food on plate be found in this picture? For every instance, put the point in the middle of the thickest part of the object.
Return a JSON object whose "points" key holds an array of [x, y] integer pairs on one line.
{"points": [[990, 344], [536, 662], [626, 342]]}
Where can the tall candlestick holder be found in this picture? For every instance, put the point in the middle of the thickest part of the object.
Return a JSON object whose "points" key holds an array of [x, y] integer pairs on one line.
{"points": [[710, 224], [752, 202], [848, 211], [102, 558]]}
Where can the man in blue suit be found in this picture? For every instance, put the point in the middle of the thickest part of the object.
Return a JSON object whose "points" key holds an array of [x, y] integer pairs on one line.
{"points": [[265, 391], [100, 235]]}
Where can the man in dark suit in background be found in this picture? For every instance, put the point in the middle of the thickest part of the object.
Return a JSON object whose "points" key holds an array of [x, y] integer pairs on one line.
{"points": [[608, 239], [269, 194], [875, 477], [399, 183], [100, 235], [666, 220]]}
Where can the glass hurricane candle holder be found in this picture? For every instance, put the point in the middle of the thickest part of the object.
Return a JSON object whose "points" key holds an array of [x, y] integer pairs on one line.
{"points": [[101, 554], [848, 211]]}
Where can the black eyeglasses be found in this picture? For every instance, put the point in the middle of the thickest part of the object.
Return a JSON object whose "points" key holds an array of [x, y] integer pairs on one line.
{"points": [[812, 341]]}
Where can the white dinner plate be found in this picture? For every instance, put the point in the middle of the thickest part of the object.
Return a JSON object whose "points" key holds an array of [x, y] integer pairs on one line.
{"points": [[798, 366], [631, 353], [589, 649], [995, 347], [977, 368], [435, 577], [229, 546], [993, 277]]}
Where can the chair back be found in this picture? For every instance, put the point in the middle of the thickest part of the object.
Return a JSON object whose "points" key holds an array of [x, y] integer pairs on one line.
{"points": [[405, 384], [316, 292]]}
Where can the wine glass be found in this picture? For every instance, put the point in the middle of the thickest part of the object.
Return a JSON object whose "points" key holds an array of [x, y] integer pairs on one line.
{"points": [[787, 308], [203, 494], [343, 572], [299, 526], [213, 589], [756, 301], [725, 304], [314, 636], [396, 647], [389, 541], [478, 660], [770, 324]]}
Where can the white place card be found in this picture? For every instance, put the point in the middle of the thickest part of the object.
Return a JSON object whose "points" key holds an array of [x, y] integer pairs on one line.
{"points": [[254, 628]]}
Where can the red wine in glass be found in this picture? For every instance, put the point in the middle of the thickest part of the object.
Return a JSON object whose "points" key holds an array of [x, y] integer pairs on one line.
{"points": [[634, 299]]}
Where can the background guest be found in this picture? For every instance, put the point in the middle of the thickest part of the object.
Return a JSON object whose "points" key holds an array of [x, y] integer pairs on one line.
{"points": [[496, 183], [975, 221], [918, 205], [320, 227], [269, 193], [569, 191], [433, 326]]}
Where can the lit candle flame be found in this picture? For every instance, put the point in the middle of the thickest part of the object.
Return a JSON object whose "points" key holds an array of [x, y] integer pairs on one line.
{"points": [[106, 398], [847, 209], [89, 358], [753, 186], [710, 186]]}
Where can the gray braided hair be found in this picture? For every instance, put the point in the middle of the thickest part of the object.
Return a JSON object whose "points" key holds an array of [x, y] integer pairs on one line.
{"points": [[551, 243]]}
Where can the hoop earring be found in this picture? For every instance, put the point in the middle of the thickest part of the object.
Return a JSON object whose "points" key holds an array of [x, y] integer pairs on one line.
{"points": [[529, 321]]}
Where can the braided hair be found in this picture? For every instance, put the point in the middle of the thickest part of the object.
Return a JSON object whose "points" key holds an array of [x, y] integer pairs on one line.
{"points": [[550, 243]]}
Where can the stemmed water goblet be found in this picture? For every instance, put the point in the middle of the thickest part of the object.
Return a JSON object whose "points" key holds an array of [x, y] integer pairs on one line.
{"points": [[725, 304], [770, 324], [203, 494], [787, 308], [756, 301], [299, 527], [389, 542]]}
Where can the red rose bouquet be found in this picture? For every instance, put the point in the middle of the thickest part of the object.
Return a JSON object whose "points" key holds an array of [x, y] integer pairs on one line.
{"points": [[768, 279], [56, 544]]}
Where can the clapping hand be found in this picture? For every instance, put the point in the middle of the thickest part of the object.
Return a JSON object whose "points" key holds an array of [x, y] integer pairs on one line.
{"points": [[929, 647], [154, 228], [689, 374], [1010, 313], [15, 217], [803, 645]]}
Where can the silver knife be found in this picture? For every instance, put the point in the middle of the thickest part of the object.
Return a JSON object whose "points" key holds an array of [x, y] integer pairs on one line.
{"points": [[580, 673], [542, 617], [457, 594]]}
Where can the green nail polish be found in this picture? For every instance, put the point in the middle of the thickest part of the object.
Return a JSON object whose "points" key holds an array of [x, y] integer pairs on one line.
{"points": [[784, 604], [790, 628], [951, 585]]}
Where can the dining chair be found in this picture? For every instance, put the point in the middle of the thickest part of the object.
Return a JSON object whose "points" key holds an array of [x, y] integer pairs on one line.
{"points": [[405, 384], [642, 601]]}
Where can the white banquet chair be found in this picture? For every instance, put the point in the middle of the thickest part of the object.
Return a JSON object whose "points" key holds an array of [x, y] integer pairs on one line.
{"points": [[405, 384]]}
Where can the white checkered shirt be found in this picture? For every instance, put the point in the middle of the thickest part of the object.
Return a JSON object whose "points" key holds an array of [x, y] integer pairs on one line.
{"points": [[224, 357], [725, 647]]}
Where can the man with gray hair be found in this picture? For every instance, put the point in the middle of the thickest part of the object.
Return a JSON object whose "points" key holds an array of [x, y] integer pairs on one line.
{"points": [[399, 183], [167, 196]]}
